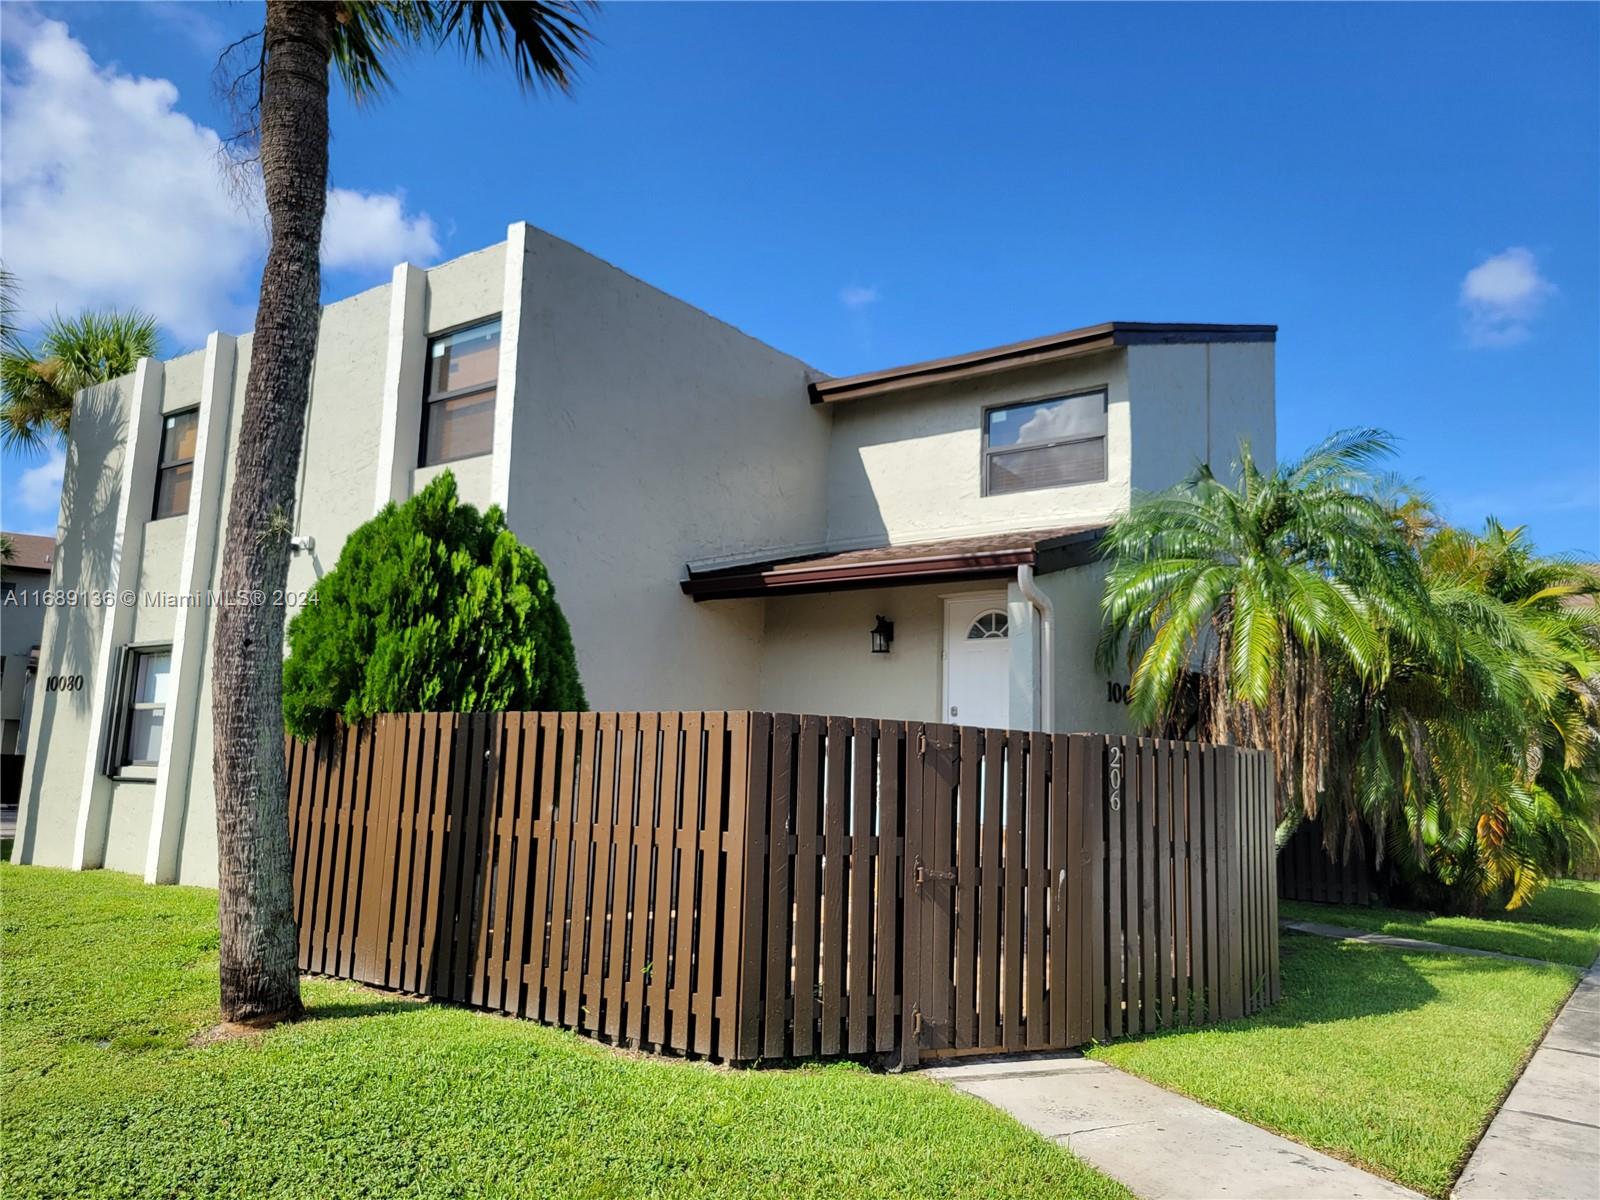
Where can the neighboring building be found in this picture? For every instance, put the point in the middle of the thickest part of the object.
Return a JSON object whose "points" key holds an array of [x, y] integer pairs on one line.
{"points": [[724, 525], [23, 578]]}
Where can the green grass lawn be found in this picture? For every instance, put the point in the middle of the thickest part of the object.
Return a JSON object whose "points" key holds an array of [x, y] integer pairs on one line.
{"points": [[1391, 1060], [1561, 924], [103, 981]]}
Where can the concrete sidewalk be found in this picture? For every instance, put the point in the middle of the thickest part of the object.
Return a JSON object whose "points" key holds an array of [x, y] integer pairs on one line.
{"points": [[1544, 1143], [1156, 1143]]}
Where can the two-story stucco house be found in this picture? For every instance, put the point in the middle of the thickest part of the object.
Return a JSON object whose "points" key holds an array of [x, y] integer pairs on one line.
{"points": [[726, 527]]}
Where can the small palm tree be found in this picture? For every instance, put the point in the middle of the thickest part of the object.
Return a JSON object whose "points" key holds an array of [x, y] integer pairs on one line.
{"points": [[73, 353], [1276, 588], [543, 44], [1498, 790]]}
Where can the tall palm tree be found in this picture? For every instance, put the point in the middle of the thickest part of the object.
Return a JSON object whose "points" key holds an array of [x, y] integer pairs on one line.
{"points": [[1276, 588], [300, 41], [73, 353]]}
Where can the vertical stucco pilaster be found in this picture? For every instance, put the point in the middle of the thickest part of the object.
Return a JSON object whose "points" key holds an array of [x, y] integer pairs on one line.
{"points": [[1022, 642], [400, 420], [139, 459], [506, 385], [188, 634]]}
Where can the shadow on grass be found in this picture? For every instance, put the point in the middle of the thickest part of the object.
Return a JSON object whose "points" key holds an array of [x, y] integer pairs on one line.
{"points": [[345, 1010]]}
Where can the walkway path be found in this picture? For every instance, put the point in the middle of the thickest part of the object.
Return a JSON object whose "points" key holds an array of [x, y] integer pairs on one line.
{"points": [[1544, 1143], [1157, 1143], [1344, 933]]}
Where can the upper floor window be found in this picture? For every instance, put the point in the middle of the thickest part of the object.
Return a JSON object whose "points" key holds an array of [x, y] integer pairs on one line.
{"points": [[458, 398], [175, 471], [1045, 443]]}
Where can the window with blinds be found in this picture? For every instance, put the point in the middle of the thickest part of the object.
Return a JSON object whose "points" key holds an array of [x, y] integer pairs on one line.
{"points": [[1045, 443], [175, 469], [458, 398]]}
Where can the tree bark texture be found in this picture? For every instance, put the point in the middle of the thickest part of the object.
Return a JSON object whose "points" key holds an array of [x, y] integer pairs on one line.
{"points": [[260, 976]]}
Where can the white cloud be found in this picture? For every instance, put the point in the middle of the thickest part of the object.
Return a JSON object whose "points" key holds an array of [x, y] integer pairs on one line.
{"points": [[110, 196], [858, 296], [373, 231], [1502, 295], [39, 490]]}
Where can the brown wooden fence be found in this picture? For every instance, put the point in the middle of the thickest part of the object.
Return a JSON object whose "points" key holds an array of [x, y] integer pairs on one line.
{"points": [[1307, 872], [755, 885]]}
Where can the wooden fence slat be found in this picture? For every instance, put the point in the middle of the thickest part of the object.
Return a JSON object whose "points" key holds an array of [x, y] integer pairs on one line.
{"points": [[1063, 877], [1091, 754], [967, 818], [808, 786], [781, 834], [1015, 878], [991, 882], [666, 864], [911, 930], [649, 855], [597, 901], [835, 936], [619, 895], [1149, 865], [940, 777], [749, 744], [858, 987], [1166, 915], [527, 870], [886, 884], [1037, 1031], [711, 892]]}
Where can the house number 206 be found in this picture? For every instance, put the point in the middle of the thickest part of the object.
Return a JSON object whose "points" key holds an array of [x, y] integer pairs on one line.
{"points": [[1114, 776]]}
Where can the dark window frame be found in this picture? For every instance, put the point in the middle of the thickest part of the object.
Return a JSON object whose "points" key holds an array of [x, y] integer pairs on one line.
{"points": [[430, 398], [164, 464], [988, 452], [117, 764]]}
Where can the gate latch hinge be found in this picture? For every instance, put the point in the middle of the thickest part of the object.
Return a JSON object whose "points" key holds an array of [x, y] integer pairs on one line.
{"points": [[916, 1021], [926, 874]]}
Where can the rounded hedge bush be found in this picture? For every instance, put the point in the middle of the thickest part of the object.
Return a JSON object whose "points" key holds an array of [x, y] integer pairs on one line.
{"points": [[432, 607]]}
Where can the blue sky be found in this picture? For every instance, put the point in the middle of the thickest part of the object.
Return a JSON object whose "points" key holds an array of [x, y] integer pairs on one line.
{"points": [[1411, 193]]}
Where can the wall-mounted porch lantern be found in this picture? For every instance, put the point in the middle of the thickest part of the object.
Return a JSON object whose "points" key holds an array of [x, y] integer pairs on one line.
{"points": [[882, 635]]}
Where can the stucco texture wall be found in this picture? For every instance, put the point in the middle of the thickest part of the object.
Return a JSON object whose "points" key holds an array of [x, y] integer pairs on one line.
{"points": [[909, 469], [58, 734], [648, 434], [818, 658]]}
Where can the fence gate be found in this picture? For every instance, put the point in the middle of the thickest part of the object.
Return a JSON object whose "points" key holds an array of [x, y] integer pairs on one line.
{"points": [[998, 887]]}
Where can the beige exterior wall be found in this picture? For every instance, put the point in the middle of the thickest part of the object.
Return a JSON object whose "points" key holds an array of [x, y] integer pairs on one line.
{"points": [[634, 434], [818, 656], [59, 730], [647, 435], [908, 468]]}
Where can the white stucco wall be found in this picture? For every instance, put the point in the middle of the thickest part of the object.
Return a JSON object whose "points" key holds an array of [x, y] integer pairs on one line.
{"points": [[649, 434]]}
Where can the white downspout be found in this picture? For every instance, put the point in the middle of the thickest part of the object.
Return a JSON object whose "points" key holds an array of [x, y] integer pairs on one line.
{"points": [[1047, 621]]}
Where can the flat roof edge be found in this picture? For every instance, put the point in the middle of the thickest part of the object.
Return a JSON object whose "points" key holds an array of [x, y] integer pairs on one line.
{"points": [[1090, 339]]}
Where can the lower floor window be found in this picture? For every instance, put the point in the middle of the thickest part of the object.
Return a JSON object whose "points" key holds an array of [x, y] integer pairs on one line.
{"points": [[147, 689]]}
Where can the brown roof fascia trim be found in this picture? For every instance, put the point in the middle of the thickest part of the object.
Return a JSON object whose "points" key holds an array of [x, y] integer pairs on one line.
{"points": [[777, 580], [1091, 339]]}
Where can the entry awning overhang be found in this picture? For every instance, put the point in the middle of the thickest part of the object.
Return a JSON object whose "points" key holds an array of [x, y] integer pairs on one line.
{"points": [[954, 560]]}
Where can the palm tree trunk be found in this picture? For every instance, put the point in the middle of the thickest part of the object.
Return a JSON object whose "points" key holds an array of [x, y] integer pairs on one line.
{"points": [[260, 977]]}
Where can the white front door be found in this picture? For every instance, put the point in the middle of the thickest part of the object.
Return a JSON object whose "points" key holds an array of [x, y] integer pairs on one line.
{"points": [[977, 660]]}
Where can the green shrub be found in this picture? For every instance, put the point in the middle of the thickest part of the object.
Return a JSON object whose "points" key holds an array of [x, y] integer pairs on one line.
{"points": [[432, 607]]}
